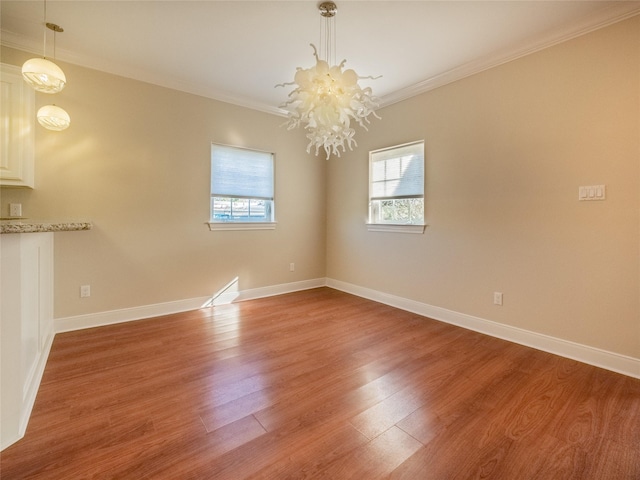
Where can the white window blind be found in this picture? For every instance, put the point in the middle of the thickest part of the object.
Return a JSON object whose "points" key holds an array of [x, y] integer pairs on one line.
{"points": [[242, 189], [236, 172], [397, 172]]}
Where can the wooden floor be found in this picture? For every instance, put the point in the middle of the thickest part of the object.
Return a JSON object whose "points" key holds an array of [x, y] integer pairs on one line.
{"points": [[320, 384]]}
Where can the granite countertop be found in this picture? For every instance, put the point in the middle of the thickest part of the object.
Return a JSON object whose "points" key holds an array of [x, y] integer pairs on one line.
{"points": [[37, 227]]}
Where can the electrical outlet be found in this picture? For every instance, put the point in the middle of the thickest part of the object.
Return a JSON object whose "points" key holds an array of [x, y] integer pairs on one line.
{"points": [[15, 209], [85, 291], [292, 267], [497, 298]]}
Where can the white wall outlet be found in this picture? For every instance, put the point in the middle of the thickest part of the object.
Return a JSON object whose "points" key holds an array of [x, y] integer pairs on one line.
{"points": [[292, 267], [85, 291], [497, 298], [15, 209]]}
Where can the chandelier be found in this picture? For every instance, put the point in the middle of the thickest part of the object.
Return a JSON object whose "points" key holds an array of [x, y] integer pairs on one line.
{"points": [[327, 99]]}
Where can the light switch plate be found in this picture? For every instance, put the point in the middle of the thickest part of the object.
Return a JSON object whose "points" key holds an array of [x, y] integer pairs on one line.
{"points": [[592, 192]]}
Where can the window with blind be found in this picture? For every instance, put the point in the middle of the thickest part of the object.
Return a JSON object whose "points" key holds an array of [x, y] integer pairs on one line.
{"points": [[242, 185], [396, 185]]}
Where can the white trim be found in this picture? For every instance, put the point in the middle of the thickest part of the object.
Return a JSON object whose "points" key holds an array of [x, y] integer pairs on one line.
{"points": [[593, 356], [241, 226], [34, 46], [99, 319], [388, 227], [283, 288], [616, 13], [583, 353], [110, 317]]}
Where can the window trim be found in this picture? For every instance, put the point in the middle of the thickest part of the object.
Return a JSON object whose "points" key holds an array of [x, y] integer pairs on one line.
{"points": [[415, 228], [418, 228], [241, 225]]}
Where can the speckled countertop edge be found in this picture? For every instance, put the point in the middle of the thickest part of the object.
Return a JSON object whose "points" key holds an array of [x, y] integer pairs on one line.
{"points": [[38, 227]]}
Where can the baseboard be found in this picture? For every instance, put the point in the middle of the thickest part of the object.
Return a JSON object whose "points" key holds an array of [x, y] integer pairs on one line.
{"points": [[583, 353], [281, 289], [99, 319]]}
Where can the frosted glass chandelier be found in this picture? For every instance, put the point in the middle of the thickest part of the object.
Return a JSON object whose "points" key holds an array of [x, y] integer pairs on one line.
{"points": [[326, 99]]}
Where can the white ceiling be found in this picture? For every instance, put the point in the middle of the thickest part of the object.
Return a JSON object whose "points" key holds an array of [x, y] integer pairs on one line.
{"points": [[237, 51]]}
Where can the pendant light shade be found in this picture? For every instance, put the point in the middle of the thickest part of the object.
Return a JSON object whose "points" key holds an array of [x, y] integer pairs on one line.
{"points": [[53, 117], [43, 75]]}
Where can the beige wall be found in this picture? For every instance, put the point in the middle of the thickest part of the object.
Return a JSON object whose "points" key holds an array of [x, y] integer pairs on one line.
{"points": [[506, 151], [136, 162]]}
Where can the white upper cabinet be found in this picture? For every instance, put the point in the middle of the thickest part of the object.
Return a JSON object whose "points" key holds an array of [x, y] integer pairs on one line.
{"points": [[17, 117]]}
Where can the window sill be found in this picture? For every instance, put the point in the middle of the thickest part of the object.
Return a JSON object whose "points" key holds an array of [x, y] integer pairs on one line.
{"points": [[241, 226], [389, 227]]}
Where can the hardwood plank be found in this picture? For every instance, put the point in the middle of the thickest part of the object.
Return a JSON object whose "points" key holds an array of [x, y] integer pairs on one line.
{"points": [[310, 460], [320, 384], [377, 458]]}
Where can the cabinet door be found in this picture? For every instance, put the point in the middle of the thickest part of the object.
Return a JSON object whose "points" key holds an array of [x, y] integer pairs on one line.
{"points": [[17, 120], [26, 326], [36, 297]]}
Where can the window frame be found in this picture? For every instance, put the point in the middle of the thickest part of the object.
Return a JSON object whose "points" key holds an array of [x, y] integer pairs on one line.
{"points": [[242, 224], [407, 227]]}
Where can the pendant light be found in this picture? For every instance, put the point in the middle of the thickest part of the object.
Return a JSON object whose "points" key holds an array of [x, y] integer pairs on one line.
{"points": [[46, 77], [53, 117], [42, 74]]}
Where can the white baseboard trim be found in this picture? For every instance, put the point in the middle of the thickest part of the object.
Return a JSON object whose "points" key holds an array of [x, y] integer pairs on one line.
{"points": [[583, 353], [99, 319], [625, 365], [281, 289]]}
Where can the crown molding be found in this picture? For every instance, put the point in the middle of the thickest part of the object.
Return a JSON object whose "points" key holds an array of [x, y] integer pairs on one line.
{"points": [[617, 12], [613, 14], [19, 42]]}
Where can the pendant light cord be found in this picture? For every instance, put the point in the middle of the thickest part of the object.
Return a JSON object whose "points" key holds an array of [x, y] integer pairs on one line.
{"points": [[44, 29]]}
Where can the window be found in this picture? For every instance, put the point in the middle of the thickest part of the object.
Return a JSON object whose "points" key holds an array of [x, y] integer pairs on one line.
{"points": [[396, 187], [241, 188]]}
